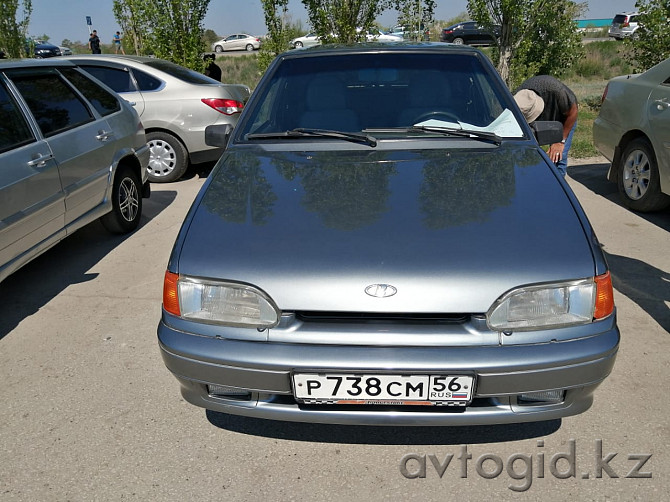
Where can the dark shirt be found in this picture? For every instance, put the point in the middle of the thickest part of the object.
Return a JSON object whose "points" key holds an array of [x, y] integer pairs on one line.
{"points": [[95, 44], [558, 98], [213, 71]]}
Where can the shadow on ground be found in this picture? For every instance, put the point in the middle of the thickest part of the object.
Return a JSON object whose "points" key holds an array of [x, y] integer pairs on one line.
{"points": [[34, 285], [594, 177], [644, 284], [353, 434]]}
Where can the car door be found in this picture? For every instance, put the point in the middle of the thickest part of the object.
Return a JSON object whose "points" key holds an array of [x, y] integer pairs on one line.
{"points": [[120, 79], [470, 34], [79, 140], [32, 203], [659, 129]]}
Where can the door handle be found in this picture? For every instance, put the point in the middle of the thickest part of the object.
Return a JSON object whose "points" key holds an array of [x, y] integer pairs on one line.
{"points": [[661, 104], [104, 135], [39, 160]]}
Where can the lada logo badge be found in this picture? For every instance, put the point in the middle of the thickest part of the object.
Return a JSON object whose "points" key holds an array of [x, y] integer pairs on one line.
{"points": [[380, 290]]}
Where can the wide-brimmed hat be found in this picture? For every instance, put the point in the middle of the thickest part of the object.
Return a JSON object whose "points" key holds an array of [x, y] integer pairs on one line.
{"points": [[530, 103]]}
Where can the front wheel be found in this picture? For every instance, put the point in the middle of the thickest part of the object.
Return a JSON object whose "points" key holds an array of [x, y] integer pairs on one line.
{"points": [[298, 45], [126, 203], [168, 158], [639, 182], [218, 48]]}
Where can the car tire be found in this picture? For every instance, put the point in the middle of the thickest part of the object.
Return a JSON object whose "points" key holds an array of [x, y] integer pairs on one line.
{"points": [[126, 203], [218, 48], [249, 48], [458, 41], [298, 45], [168, 157], [639, 182]]}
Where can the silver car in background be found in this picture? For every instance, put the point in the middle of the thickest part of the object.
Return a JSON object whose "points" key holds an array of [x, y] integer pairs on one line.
{"points": [[175, 104], [624, 25], [632, 131], [71, 151], [237, 42]]}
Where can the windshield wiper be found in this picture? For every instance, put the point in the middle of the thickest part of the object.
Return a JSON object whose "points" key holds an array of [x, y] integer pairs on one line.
{"points": [[317, 133], [465, 133]]}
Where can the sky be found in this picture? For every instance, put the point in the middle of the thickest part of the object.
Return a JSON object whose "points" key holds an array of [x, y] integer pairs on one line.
{"points": [[66, 19]]}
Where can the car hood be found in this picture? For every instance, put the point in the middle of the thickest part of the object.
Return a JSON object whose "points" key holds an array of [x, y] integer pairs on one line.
{"points": [[450, 230]]}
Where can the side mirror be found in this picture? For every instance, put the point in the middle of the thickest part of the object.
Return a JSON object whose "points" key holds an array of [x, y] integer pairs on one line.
{"points": [[217, 135], [547, 132]]}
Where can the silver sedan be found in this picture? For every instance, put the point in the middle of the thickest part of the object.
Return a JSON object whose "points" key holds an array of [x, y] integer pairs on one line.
{"points": [[175, 104], [237, 42], [632, 131]]}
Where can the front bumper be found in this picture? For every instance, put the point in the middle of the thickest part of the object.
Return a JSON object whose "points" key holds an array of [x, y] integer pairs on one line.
{"points": [[502, 373]]}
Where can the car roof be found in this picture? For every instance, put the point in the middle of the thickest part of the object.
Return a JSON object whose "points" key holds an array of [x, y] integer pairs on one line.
{"points": [[35, 63], [381, 47], [113, 57]]}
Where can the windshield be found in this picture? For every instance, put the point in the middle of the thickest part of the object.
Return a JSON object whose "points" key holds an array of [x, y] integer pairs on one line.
{"points": [[383, 91]]}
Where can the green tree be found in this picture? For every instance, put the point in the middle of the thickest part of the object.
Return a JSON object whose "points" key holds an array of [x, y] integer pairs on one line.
{"points": [[209, 37], [651, 43], [133, 19], [278, 36], [536, 36], [170, 29], [13, 30], [415, 15], [344, 21]]}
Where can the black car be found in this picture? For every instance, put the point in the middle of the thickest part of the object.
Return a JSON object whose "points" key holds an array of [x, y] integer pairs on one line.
{"points": [[46, 50], [469, 33]]}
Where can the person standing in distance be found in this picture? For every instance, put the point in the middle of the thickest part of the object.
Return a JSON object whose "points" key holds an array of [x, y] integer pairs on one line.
{"points": [[94, 43], [117, 43], [546, 98]]}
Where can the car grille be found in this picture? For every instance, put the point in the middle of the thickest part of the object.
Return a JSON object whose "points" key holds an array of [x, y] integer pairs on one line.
{"points": [[358, 317]]}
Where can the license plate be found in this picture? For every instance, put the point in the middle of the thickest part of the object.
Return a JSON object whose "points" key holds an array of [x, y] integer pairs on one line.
{"points": [[349, 388]]}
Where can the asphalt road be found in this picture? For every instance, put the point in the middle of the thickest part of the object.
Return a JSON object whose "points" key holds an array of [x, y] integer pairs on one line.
{"points": [[89, 411]]}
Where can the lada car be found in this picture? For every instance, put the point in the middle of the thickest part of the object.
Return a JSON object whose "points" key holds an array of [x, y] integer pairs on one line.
{"points": [[71, 151], [384, 242]]}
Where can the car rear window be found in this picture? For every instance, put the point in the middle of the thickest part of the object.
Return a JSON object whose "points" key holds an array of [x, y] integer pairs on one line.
{"points": [[14, 130], [619, 19], [55, 106], [184, 74]]}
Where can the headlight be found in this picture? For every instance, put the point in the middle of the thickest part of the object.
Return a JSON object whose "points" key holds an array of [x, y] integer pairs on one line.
{"points": [[552, 305], [218, 302]]}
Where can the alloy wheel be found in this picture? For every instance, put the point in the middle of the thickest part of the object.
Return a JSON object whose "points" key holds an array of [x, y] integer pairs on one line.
{"points": [[636, 174]]}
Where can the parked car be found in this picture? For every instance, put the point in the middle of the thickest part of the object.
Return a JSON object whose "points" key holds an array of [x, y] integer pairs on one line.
{"points": [[376, 35], [385, 242], [631, 131], [470, 33], [410, 32], [45, 50], [624, 25], [237, 42], [309, 40], [71, 152], [175, 105], [65, 51]]}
